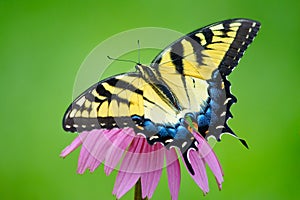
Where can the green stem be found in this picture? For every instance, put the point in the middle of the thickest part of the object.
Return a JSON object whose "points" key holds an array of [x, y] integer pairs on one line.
{"points": [[138, 191]]}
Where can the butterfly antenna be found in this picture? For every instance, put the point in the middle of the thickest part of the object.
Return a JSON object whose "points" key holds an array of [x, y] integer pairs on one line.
{"points": [[139, 51], [124, 60]]}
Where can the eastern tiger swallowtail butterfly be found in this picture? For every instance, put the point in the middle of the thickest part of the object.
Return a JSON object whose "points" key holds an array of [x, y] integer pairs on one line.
{"points": [[185, 86]]}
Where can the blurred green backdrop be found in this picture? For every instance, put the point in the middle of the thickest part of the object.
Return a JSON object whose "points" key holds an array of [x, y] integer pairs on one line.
{"points": [[43, 43]]}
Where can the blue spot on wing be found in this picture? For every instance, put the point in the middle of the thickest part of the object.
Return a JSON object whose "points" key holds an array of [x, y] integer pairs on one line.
{"points": [[181, 134], [171, 131], [150, 127], [203, 120], [162, 131]]}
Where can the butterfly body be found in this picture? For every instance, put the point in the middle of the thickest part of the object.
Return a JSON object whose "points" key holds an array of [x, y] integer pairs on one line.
{"points": [[157, 84], [184, 88]]}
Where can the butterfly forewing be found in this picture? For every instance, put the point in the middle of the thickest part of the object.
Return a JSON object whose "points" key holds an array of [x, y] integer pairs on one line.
{"points": [[114, 101], [217, 46]]}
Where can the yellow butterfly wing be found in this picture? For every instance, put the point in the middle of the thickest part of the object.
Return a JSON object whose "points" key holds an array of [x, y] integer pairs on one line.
{"points": [[119, 101], [200, 53], [196, 66]]}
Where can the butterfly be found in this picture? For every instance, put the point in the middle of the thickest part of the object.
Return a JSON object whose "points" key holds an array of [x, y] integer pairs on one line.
{"points": [[185, 88]]}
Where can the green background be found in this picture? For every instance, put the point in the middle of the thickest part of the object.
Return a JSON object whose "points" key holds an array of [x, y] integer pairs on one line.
{"points": [[42, 45]]}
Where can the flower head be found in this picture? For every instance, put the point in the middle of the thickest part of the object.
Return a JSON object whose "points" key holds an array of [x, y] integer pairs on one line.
{"points": [[135, 159]]}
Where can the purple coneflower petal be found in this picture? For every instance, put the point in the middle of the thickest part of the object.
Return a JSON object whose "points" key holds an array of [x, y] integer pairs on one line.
{"points": [[152, 164], [117, 149], [86, 158], [124, 182], [74, 145], [94, 165], [208, 155], [127, 173], [149, 182], [173, 170], [131, 162], [198, 166], [141, 160], [82, 160], [103, 144]]}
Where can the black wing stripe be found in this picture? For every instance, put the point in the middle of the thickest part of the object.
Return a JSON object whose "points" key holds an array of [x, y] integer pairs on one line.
{"points": [[208, 34], [176, 55], [118, 83], [197, 48]]}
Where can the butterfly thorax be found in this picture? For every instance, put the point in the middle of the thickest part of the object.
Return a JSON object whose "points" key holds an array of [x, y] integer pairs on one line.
{"points": [[148, 73]]}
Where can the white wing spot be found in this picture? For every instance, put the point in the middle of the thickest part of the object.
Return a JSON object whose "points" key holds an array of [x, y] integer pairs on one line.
{"points": [[73, 112], [217, 27], [219, 127], [153, 137], [183, 144], [169, 140], [81, 101], [236, 24], [227, 100]]}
